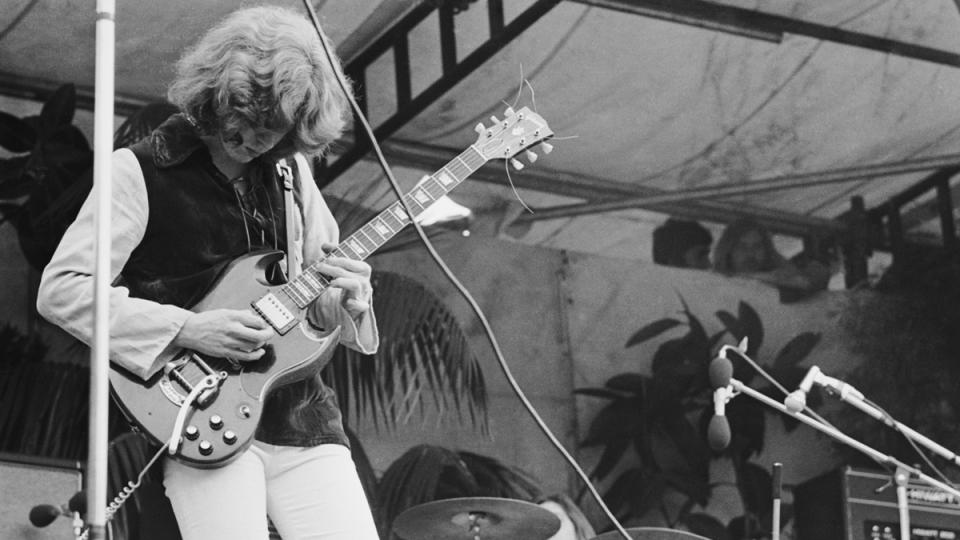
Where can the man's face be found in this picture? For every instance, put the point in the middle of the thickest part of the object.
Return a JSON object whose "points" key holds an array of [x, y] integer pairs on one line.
{"points": [[246, 143]]}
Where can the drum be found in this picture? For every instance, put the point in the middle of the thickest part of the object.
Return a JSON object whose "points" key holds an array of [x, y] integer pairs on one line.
{"points": [[651, 533]]}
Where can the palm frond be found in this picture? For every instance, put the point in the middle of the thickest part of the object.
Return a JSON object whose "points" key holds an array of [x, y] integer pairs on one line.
{"points": [[424, 361]]}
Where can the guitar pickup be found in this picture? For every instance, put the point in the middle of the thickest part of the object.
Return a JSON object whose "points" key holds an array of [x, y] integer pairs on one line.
{"points": [[275, 313]]}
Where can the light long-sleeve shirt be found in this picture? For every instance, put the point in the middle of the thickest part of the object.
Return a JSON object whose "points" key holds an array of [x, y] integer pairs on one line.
{"points": [[142, 331]]}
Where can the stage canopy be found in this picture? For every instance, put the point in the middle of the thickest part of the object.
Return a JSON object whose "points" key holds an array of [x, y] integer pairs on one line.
{"points": [[780, 109]]}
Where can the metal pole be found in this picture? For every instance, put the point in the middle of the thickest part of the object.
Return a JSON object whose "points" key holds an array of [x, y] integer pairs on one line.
{"points": [[902, 478], [99, 354]]}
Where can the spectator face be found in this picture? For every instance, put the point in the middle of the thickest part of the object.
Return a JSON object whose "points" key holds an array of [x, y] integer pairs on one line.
{"points": [[748, 254], [697, 257]]}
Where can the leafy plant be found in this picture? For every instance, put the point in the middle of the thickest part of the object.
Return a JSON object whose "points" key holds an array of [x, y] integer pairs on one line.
{"points": [[424, 358], [49, 172], [652, 428], [907, 340]]}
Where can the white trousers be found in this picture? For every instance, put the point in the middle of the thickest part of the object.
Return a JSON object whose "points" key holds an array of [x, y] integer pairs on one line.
{"points": [[309, 494]]}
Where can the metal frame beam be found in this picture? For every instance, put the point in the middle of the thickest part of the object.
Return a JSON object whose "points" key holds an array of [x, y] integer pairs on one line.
{"points": [[767, 26], [454, 70], [794, 181]]}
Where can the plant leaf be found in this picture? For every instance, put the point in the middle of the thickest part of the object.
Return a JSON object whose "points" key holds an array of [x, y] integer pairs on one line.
{"points": [[796, 349], [652, 330], [748, 425], [16, 135], [13, 182], [633, 383], [59, 108], [623, 490], [751, 326], [424, 355], [729, 322], [755, 485], [614, 422], [706, 525], [602, 393]]}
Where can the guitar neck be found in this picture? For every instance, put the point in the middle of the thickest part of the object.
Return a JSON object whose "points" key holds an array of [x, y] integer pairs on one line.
{"points": [[376, 232]]}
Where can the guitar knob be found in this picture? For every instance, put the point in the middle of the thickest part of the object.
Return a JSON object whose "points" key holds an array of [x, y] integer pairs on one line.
{"points": [[517, 164], [546, 147], [494, 120], [531, 156], [229, 436], [479, 129], [509, 111], [216, 422], [205, 448], [191, 432]]}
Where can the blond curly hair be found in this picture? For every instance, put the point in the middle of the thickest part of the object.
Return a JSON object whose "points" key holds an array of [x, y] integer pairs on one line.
{"points": [[263, 68]]}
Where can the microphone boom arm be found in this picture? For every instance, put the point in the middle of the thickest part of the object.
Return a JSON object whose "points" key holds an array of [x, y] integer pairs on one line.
{"points": [[850, 395], [842, 437]]}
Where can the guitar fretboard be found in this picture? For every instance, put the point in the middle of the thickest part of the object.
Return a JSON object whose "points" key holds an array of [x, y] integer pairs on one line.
{"points": [[361, 244]]}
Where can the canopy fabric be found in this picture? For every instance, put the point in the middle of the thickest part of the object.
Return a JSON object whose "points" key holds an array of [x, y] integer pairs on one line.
{"points": [[633, 100]]}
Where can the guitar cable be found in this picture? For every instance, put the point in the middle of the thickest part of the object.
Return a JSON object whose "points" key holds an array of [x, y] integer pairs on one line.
{"points": [[501, 361], [125, 493]]}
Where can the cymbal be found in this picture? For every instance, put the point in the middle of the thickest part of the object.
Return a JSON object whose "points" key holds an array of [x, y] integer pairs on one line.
{"points": [[476, 518], [650, 533]]}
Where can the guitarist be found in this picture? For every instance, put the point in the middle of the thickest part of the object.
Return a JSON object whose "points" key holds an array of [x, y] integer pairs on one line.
{"points": [[197, 193]]}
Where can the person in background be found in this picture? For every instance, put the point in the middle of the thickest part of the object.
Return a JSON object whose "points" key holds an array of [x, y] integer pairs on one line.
{"points": [[746, 249], [683, 244], [201, 191], [573, 523]]}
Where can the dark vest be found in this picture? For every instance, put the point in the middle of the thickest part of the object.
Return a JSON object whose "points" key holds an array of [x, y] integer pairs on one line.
{"points": [[197, 225]]}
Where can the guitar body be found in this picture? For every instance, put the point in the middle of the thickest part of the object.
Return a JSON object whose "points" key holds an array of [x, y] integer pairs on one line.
{"points": [[221, 427]]}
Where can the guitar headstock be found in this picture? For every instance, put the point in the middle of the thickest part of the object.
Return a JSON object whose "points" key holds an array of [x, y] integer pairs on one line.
{"points": [[518, 131]]}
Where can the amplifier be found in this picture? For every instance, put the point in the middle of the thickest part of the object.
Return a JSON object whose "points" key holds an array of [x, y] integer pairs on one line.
{"points": [[854, 504], [28, 481]]}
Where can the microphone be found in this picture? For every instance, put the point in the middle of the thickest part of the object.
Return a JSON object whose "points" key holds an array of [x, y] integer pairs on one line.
{"points": [[45, 514], [720, 370], [78, 502], [718, 431], [796, 401]]}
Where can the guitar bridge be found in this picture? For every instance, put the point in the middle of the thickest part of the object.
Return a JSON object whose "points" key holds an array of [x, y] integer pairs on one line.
{"points": [[172, 373]]}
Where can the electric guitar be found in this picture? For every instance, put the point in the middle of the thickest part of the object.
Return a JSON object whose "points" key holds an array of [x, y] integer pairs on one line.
{"points": [[207, 409]]}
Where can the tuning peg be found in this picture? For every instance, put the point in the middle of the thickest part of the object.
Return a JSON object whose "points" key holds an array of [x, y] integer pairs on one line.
{"points": [[546, 147], [531, 156], [479, 128], [509, 111], [494, 119], [517, 164]]}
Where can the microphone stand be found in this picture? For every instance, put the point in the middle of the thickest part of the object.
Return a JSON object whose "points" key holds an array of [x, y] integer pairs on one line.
{"points": [[843, 437], [99, 353], [850, 395], [901, 478]]}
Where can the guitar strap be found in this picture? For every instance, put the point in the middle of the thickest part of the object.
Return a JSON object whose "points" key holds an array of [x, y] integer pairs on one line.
{"points": [[289, 206]]}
